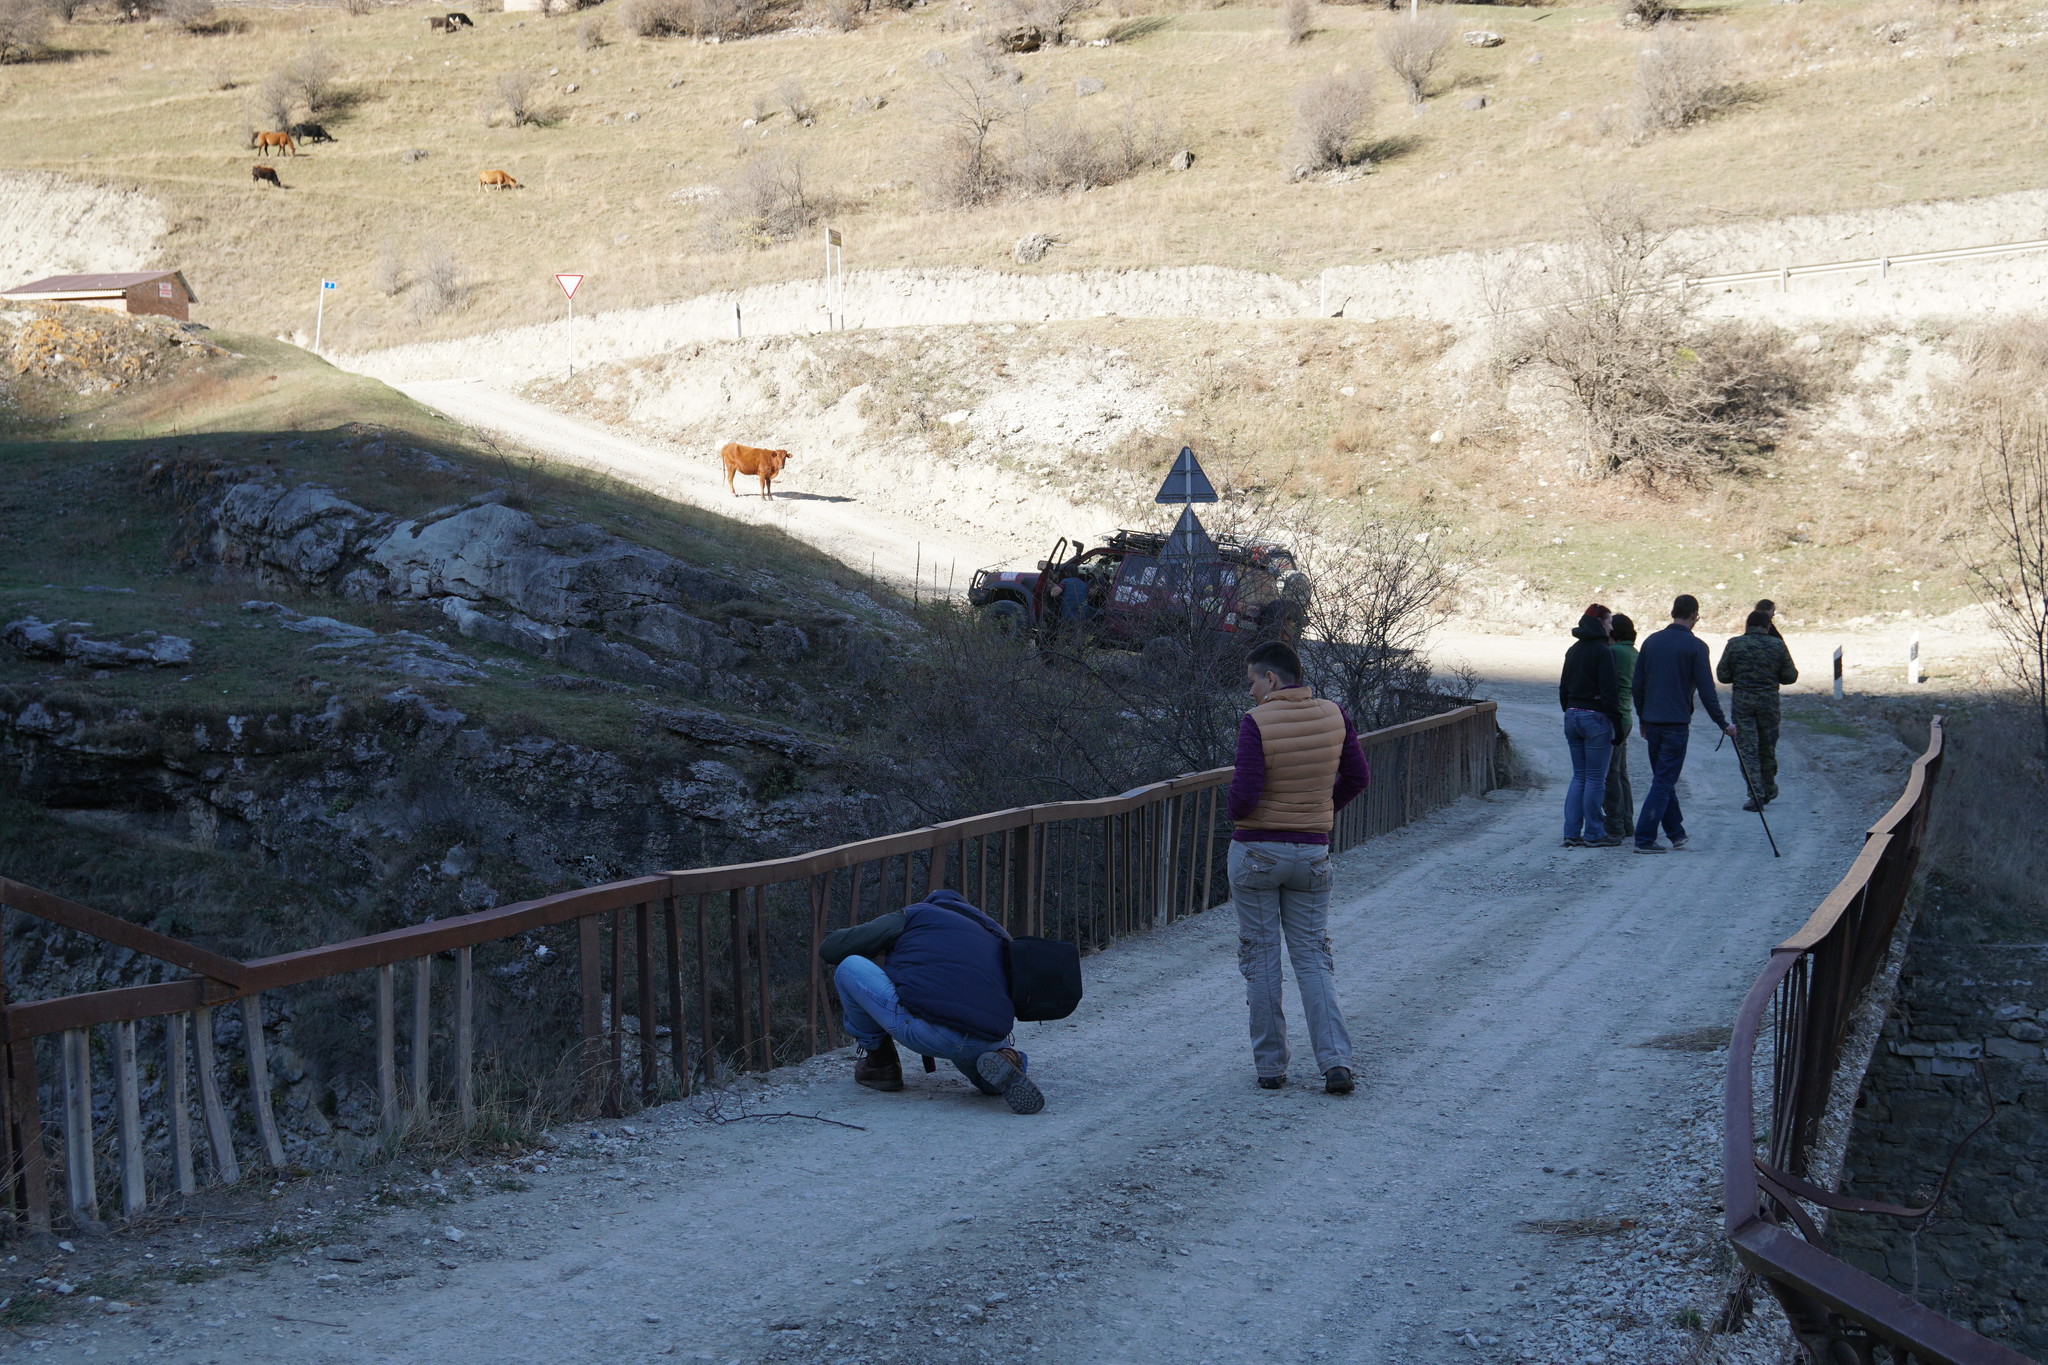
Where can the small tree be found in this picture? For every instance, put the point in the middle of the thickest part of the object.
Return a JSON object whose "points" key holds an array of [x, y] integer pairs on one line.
{"points": [[437, 284], [590, 32], [966, 102], [518, 94], [768, 200], [1297, 20], [1413, 46], [271, 104], [1330, 112], [1681, 78], [194, 16], [315, 74], [24, 29], [2013, 579], [790, 95]]}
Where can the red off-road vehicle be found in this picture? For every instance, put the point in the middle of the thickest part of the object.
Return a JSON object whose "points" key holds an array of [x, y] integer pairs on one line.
{"points": [[1251, 588]]}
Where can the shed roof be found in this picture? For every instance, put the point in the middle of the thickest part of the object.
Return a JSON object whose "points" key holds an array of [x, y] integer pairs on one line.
{"points": [[83, 284]]}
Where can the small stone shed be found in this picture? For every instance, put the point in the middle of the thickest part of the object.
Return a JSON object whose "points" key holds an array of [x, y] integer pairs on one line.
{"points": [[161, 293]]}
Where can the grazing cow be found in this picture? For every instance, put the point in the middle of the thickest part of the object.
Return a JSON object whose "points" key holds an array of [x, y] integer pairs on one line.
{"points": [[761, 464], [263, 142], [495, 180], [311, 132], [438, 24], [458, 20], [265, 175]]}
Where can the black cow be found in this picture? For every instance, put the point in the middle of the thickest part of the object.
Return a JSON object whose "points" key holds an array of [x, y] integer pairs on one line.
{"points": [[311, 132], [459, 20]]}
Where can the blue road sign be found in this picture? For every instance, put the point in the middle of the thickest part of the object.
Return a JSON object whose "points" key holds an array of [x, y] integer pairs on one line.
{"points": [[327, 284], [1186, 482]]}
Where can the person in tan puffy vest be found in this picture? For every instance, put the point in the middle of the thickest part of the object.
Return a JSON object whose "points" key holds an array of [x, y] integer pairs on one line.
{"points": [[1298, 764]]}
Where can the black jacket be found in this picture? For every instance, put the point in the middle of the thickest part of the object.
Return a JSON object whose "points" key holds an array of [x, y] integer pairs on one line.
{"points": [[1588, 682]]}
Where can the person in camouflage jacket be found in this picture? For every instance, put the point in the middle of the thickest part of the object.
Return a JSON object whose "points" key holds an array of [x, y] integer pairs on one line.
{"points": [[1756, 664]]}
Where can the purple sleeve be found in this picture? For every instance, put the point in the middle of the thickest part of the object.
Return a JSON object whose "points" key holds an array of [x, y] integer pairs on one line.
{"points": [[1352, 772], [1249, 782]]}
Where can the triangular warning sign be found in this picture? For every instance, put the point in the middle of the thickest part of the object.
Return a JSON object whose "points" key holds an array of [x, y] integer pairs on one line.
{"points": [[1186, 482], [569, 283], [1190, 543]]}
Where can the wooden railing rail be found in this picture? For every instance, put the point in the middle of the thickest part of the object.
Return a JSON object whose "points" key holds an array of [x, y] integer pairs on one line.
{"points": [[720, 960]]}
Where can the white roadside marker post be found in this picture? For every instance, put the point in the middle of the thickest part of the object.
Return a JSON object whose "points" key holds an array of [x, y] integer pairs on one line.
{"points": [[570, 284], [1838, 672], [320, 313], [1913, 662]]}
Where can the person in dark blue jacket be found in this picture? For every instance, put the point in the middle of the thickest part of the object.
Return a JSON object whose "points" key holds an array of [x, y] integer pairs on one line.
{"points": [[1672, 668], [934, 976]]}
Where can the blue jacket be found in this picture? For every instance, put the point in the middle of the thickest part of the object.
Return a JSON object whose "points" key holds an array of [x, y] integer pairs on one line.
{"points": [[1672, 667], [948, 967]]}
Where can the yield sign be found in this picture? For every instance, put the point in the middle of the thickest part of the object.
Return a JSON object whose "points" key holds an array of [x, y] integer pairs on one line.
{"points": [[569, 283], [1186, 482]]}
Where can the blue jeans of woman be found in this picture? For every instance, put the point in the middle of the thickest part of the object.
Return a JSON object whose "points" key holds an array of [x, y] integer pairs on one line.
{"points": [[1591, 737]]}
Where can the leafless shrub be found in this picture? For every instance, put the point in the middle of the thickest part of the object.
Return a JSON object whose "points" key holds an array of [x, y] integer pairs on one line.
{"points": [[790, 95], [222, 77], [1644, 13], [194, 16], [64, 11], [24, 29], [272, 103], [966, 103], [356, 8], [517, 94], [590, 32], [656, 18], [2012, 579], [769, 200], [1052, 152], [1413, 46], [1136, 141], [1663, 399], [316, 76], [844, 15], [389, 276], [1297, 19], [1329, 113], [1051, 18], [1681, 78], [437, 283]]}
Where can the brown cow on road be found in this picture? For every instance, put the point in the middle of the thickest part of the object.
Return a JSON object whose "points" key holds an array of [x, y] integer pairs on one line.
{"points": [[752, 460], [495, 180], [265, 175], [263, 142]]}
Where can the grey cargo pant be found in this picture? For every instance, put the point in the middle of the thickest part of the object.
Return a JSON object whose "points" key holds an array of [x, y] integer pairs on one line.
{"points": [[1283, 890]]}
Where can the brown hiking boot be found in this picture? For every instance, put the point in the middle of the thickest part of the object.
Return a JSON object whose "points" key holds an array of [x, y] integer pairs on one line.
{"points": [[879, 1069]]}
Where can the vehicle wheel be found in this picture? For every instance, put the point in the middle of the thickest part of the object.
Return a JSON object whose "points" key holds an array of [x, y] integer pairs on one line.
{"points": [[1006, 617]]}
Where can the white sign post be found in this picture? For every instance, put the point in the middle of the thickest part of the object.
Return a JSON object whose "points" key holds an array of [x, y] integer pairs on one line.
{"points": [[320, 313], [569, 285], [835, 280]]}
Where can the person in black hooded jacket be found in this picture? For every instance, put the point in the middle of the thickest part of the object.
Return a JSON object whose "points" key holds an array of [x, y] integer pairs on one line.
{"points": [[1589, 692]]}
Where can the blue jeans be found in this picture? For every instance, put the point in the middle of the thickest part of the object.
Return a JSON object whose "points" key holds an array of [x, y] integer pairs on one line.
{"points": [[1282, 891], [1591, 737], [872, 1013], [1660, 804]]}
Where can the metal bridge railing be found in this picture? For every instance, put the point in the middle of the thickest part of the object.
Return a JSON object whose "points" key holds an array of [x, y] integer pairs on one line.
{"points": [[676, 978], [1811, 992]]}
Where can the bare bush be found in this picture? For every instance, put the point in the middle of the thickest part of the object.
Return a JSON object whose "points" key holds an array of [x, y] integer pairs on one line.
{"points": [[64, 11], [437, 283], [1681, 78], [768, 200], [1051, 18], [1136, 141], [1644, 13], [194, 16], [389, 275], [1330, 112], [356, 8], [272, 103], [24, 29], [967, 101], [790, 95], [590, 32], [517, 94], [1297, 19], [316, 76], [1663, 399], [844, 15], [1413, 46], [1052, 152], [656, 18], [2012, 579]]}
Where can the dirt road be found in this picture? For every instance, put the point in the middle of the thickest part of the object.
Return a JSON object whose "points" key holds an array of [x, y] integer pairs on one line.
{"points": [[1502, 991]]}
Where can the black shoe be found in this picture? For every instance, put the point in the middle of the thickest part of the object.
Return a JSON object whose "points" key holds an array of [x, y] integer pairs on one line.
{"points": [[1574, 843], [1272, 1082], [1752, 804], [1680, 842], [1338, 1080], [1004, 1070], [1611, 841], [879, 1069]]}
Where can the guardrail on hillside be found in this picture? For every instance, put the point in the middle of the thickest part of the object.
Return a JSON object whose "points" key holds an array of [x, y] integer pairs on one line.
{"points": [[1812, 990], [722, 961]]}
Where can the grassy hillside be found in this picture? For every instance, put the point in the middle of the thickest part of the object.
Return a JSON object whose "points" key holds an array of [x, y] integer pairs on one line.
{"points": [[1838, 104]]}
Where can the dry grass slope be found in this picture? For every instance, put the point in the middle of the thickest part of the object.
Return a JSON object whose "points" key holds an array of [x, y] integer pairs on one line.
{"points": [[1845, 103]]}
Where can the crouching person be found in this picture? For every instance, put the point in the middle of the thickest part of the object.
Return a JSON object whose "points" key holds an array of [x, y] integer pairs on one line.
{"points": [[931, 976]]}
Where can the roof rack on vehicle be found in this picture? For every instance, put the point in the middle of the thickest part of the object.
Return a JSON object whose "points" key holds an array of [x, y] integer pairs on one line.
{"points": [[1230, 548]]}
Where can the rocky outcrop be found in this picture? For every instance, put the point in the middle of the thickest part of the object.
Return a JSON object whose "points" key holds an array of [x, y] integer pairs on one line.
{"points": [[67, 642], [572, 595]]}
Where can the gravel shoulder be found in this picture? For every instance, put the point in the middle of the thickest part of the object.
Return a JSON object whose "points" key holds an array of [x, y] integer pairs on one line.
{"points": [[1519, 1179]]}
